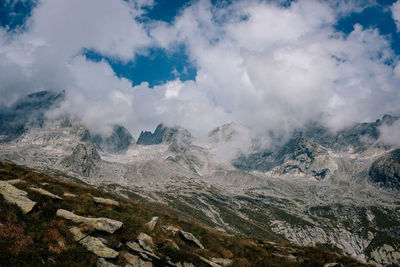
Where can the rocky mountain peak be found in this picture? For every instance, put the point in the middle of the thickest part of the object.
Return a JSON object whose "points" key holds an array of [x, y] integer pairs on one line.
{"points": [[117, 142], [27, 112], [164, 134]]}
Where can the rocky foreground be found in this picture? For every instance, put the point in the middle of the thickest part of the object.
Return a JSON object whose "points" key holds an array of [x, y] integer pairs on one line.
{"points": [[50, 222]]}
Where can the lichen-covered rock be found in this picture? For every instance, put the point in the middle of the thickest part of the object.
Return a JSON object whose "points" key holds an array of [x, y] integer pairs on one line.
{"points": [[15, 181], [102, 224], [145, 241], [222, 261], [45, 192], [152, 223], [191, 238], [145, 254], [105, 201], [135, 261], [66, 194], [16, 196], [93, 244], [169, 228]]}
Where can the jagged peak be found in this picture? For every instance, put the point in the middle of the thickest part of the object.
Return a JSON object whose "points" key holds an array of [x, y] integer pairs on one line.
{"points": [[164, 134]]}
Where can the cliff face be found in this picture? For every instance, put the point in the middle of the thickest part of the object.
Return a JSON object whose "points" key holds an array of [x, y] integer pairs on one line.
{"points": [[386, 170]]}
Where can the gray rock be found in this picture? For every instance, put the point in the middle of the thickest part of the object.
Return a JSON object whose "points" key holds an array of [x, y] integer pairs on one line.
{"points": [[45, 192], [191, 238], [105, 201], [66, 194], [93, 244], [152, 223], [16, 196], [146, 242], [135, 261], [83, 160], [222, 261], [117, 142], [169, 228], [386, 170], [102, 224]]}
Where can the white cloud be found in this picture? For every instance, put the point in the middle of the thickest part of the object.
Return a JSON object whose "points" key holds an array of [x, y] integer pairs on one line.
{"points": [[259, 64], [396, 14], [390, 134]]}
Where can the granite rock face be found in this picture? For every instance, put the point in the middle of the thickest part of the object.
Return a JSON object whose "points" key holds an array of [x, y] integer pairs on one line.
{"points": [[27, 112], [102, 224], [16, 196], [117, 142], [93, 244], [386, 170], [164, 134], [83, 160]]}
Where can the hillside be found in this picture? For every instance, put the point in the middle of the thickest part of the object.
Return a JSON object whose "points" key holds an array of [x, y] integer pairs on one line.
{"points": [[41, 238]]}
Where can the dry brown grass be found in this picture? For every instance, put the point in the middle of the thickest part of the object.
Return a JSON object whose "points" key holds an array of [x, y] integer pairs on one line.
{"points": [[16, 236]]}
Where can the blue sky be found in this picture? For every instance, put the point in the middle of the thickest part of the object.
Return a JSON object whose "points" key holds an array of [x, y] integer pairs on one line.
{"points": [[157, 65], [269, 65]]}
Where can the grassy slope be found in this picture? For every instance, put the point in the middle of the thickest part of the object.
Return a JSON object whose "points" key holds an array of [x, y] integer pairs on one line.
{"points": [[40, 238]]}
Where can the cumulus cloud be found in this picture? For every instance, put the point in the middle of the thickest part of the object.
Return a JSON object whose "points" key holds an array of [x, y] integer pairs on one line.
{"points": [[396, 14], [266, 66], [390, 134]]}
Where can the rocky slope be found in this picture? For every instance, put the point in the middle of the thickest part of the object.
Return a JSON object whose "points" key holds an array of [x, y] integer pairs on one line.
{"points": [[133, 233], [336, 191]]}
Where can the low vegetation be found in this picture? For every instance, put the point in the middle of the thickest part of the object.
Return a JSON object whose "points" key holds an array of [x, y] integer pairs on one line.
{"points": [[40, 238]]}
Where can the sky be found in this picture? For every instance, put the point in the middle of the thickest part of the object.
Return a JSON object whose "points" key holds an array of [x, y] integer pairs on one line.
{"points": [[271, 66]]}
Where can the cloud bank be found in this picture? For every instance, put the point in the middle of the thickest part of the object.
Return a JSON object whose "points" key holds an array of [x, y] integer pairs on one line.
{"points": [[266, 66]]}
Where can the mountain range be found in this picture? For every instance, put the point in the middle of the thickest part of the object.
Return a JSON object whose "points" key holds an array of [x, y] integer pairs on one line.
{"points": [[334, 190]]}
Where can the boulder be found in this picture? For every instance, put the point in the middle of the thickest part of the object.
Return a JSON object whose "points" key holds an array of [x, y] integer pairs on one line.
{"points": [[145, 254], [191, 238], [105, 201], [66, 194], [102, 224], [222, 261], [45, 192], [152, 223], [93, 244], [146, 242], [15, 181], [170, 228], [135, 261], [16, 196]]}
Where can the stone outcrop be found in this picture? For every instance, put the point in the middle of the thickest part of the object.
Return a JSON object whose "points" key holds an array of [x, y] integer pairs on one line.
{"points": [[146, 242], [102, 224], [66, 194], [105, 201], [15, 181], [222, 261], [135, 261], [386, 255], [152, 223], [191, 238], [45, 192], [16, 196], [169, 228], [93, 244]]}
